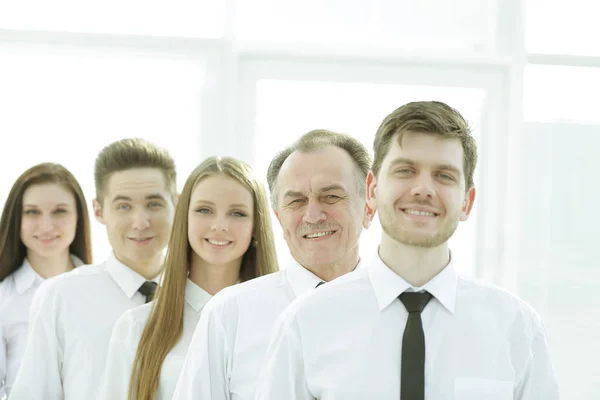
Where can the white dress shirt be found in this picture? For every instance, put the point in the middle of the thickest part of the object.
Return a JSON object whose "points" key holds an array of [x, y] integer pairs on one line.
{"points": [[344, 342], [71, 320], [16, 295], [231, 339], [126, 336]]}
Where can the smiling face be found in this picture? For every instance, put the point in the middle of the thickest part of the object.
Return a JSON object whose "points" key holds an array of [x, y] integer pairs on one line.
{"points": [[138, 213], [420, 190], [48, 219], [220, 221], [320, 209]]}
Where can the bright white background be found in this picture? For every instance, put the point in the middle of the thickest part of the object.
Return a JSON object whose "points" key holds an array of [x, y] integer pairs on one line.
{"points": [[245, 77]]}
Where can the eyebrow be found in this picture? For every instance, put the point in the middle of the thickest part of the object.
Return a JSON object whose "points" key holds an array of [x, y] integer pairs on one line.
{"points": [[328, 188], [331, 187], [57, 205], [237, 205], [407, 161], [292, 193], [149, 197]]}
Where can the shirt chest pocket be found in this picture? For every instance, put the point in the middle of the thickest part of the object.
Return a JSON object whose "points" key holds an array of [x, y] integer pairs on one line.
{"points": [[480, 389]]}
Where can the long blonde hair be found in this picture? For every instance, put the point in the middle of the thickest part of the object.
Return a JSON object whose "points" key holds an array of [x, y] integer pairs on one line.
{"points": [[165, 324]]}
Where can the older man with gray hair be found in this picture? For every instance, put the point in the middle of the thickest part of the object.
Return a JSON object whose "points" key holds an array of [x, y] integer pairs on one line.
{"points": [[318, 188]]}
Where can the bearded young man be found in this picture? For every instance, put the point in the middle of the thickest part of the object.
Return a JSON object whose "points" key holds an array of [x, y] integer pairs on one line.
{"points": [[408, 326]]}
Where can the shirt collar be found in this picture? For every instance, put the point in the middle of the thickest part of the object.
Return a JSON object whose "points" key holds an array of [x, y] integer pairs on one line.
{"points": [[126, 278], [195, 296], [302, 280], [26, 276], [388, 285]]}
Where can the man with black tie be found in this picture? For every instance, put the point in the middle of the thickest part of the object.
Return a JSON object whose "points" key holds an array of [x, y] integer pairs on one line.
{"points": [[318, 194], [409, 326], [72, 315]]}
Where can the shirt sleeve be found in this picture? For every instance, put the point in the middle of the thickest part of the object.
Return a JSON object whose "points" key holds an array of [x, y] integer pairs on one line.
{"points": [[282, 375], [2, 363], [122, 349], [539, 379], [40, 373], [204, 373]]}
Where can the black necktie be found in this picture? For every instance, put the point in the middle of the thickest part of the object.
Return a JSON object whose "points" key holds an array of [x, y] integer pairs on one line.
{"points": [[319, 284], [148, 289], [413, 347]]}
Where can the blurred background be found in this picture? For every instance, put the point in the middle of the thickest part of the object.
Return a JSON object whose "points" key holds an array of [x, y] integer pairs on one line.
{"points": [[244, 78]]}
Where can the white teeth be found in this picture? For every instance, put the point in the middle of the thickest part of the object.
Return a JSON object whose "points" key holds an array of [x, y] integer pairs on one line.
{"points": [[218, 242], [318, 234], [422, 213]]}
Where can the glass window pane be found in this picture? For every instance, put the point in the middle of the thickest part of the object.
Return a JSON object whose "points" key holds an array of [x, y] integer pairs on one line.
{"points": [[185, 18], [562, 27], [558, 270], [454, 25], [65, 105], [356, 109], [560, 93]]}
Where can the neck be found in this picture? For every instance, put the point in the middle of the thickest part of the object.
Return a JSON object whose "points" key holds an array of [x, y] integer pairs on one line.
{"points": [[329, 272], [213, 278], [149, 268], [47, 267], [416, 265]]}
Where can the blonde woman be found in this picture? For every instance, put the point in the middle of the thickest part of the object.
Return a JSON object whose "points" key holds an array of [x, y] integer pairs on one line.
{"points": [[221, 235]]}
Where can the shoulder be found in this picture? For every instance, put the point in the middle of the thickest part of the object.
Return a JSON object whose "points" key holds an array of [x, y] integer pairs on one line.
{"points": [[63, 284], [7, 291], [130, 325], [343, 293], [246, 290], [506, 305]]}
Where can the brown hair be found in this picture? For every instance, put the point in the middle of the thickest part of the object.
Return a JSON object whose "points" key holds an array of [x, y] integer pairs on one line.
{"points": [[429, 117], [165, 324], [128, 154], [317, 140], [12, 249]]}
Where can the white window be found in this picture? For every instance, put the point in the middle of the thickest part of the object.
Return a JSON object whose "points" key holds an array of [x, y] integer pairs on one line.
{"points": [[460, 25], [64, 104], [285, 109]]}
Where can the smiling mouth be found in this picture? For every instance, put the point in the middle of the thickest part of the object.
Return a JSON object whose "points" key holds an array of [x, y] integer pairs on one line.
{"points": [[141, 240], [419, 213], [46, 239], [221, 243], [317, 235]]}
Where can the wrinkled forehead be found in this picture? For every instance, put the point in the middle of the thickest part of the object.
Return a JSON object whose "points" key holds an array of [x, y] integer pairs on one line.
{"points": [[311, 172]]}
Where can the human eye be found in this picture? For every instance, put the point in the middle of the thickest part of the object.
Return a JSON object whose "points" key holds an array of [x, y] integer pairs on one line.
{"points": [[446, 177], [295, 202], [332, 198], [155, 204], [123, 207]]}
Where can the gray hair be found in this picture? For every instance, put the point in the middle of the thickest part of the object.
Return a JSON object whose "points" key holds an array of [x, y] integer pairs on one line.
{"points": [[317, 140]]}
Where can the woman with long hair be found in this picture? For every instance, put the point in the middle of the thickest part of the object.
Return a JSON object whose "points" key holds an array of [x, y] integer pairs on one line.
{"points": [[221, 235], [44, 231]]}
